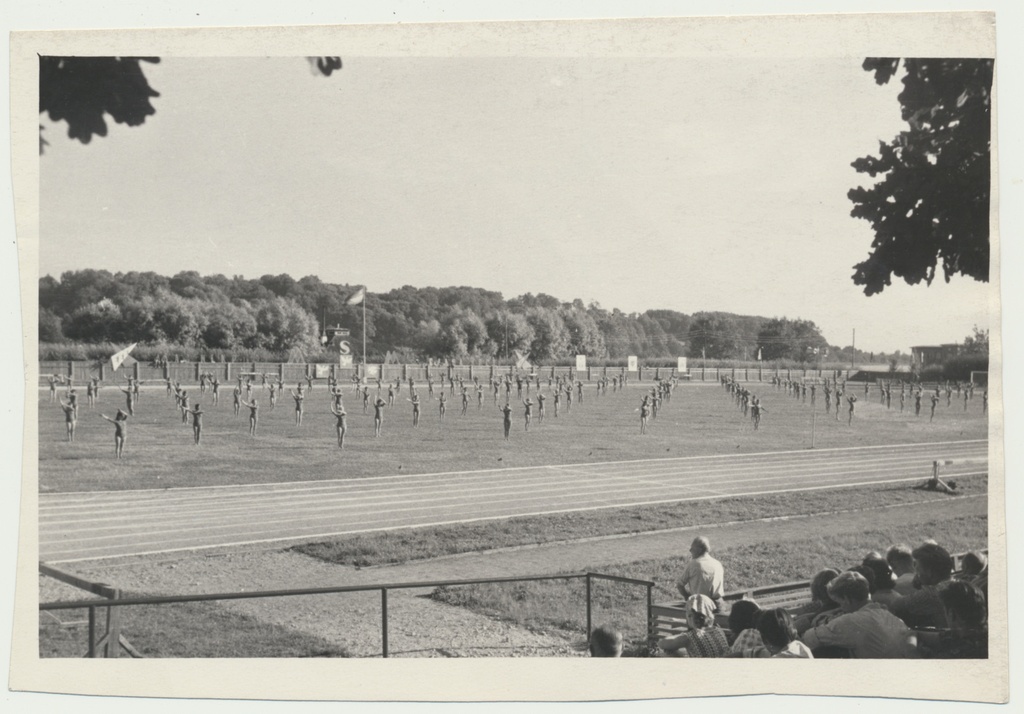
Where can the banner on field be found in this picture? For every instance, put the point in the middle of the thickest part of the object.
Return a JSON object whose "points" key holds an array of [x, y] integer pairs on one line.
{"points": [[344, 360], [631, 363], [522, 361], [372, 371], [581, 363], [681, 364], [321, 371], [119, 358]]}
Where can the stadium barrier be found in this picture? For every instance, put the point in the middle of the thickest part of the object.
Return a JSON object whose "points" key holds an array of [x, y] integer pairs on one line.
{"points": [[102, 645], [294, 372]]}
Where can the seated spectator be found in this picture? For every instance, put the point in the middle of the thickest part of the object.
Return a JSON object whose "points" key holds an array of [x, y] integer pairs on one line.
{"points": [[972, 564], [865, 628], [703, 575], [933, 566], [901, 560], [974, 569], [704, 638], [779, 635], [743, 624], [868, 574], [821, 604], [967, 636], [605, 642], [884, 582]]}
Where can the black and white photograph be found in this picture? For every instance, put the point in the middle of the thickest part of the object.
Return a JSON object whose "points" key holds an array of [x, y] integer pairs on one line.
{"points": [[351, 349]]}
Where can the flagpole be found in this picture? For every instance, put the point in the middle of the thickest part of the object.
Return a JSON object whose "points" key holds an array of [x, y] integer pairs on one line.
{"points": [[364, 333]]}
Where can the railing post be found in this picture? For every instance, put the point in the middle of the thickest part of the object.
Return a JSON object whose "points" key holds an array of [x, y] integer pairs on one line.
{"points": [[91, 652], [590, 624], [650, 611], [384, 621], [112, 646]]}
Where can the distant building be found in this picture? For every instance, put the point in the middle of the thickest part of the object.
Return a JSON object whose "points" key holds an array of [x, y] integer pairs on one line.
{"points": [[925, 355]]}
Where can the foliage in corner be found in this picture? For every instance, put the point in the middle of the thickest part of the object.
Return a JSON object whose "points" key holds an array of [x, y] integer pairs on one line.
{"points": [[83, 90], [932, 202]]}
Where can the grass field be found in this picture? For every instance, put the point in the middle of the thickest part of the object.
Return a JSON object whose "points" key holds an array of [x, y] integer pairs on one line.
{"points": [[699, 420]]}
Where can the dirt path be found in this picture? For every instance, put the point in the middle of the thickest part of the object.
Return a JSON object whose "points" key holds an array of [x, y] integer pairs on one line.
{"points": [[423, 628]]}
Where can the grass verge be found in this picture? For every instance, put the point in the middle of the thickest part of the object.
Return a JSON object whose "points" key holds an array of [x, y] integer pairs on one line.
{"points": [[184, 630], [404, 545], [562, 604]]}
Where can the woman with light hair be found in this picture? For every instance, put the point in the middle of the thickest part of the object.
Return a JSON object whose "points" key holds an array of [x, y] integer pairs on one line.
{"points": [[703, 638]]}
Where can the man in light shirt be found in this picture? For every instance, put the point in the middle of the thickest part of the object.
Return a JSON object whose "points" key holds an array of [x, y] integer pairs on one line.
{"points": [[703, 575]]}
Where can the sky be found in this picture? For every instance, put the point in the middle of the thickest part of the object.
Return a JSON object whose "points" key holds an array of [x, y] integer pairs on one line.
{"points": [[639, 183]]}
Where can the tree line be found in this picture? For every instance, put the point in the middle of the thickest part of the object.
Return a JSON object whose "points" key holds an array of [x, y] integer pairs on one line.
{"points": [[217, 316]]}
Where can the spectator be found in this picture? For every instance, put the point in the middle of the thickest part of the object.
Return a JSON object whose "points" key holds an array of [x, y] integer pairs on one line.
{"points": [[868, 574], [967, 637], [821, 604], [704, 638], [779, 635], [605, 642], [974, 569], [743, 624], [703, 575], [865, 628], [884, 594], [901, 560], [933, 566]]}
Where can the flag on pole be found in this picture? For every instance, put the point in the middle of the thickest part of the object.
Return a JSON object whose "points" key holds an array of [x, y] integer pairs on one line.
{"points": [[117, 359], [357, 297]]}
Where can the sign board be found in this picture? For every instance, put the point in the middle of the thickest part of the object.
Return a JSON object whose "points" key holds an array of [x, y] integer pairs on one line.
{"points": [[372, 370], [631, 363], [581, 363], [681, 366], [344, 360], [321, 371], [338, 339]]}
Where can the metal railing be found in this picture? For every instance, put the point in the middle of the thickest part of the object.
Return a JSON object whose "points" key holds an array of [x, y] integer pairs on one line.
{"points": [[112, 600]]}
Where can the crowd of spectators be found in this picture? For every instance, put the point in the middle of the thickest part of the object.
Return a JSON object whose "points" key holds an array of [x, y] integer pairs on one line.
{"points": [[906, 603]]}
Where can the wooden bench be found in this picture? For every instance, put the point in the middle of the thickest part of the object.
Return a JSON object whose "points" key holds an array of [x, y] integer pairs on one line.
{"points": [[669, 618]]}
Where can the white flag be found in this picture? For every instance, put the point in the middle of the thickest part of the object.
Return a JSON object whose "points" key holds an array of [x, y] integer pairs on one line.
{"points": [[118, 359], [357, 297]]}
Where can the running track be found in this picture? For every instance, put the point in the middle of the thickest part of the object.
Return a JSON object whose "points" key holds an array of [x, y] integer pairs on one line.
{"points": [[84, 526]]}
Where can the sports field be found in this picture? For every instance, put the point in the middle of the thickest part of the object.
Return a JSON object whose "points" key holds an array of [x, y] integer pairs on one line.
{"points": [[293, 483], [699, 420]]}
